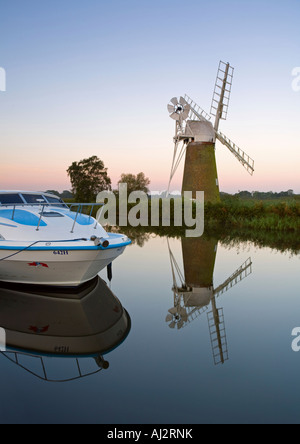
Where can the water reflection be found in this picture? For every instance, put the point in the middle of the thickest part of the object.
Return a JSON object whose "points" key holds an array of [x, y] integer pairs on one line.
{"points": [[195, 293], [64, 334]]}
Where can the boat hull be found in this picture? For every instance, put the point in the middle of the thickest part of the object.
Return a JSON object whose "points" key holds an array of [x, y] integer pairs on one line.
{"points": [[61, 267], [89, 322]]}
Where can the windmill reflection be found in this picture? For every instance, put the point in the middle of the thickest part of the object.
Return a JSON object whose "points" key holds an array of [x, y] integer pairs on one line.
{"points": [[65, 334], [195, 294]]}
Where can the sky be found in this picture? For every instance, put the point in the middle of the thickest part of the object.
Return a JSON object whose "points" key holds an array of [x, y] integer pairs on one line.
{"points": [[94, 77]]}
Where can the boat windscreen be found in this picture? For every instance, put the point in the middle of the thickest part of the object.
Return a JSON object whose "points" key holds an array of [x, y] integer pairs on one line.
{"points": [[10, 199], [34, 199], [55, 201]]}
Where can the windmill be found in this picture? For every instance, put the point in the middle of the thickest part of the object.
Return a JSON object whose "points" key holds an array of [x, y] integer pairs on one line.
{"points": [[196, 137], [195, 294]]}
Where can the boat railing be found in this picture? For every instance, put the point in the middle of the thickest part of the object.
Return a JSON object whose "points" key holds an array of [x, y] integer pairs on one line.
{"points": [[38, 365], [71, 206]]}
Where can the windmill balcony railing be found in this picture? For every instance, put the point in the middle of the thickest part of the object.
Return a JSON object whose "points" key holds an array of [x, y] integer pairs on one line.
{"points": [[90, 207]]}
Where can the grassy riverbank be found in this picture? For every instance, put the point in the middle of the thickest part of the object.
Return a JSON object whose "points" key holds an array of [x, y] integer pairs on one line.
{"points": [[238, 214], [282, 216]]}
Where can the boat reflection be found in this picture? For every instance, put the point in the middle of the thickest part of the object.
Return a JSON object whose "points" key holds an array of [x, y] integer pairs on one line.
{"points": [[195, 294], [62, 335]]}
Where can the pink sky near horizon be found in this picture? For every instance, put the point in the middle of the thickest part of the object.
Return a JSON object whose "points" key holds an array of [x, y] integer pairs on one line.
{"points": [[39, 177]]}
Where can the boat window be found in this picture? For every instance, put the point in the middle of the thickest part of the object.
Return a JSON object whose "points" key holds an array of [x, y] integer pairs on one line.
{"points": [[56, 200], [34, 198], [10, 199]]}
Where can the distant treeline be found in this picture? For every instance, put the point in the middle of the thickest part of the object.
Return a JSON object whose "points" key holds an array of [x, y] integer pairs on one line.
{"points": [[255, 195], [64, 195], [259, 195]]}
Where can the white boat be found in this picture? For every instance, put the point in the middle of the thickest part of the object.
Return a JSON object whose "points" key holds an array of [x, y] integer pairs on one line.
{"points": [[45, 241]]}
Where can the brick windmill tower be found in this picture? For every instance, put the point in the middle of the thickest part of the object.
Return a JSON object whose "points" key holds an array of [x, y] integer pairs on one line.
{"points": [[196, 138]]}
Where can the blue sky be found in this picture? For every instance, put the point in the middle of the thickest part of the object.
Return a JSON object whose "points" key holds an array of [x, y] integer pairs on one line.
{"points": [[94, 78]]}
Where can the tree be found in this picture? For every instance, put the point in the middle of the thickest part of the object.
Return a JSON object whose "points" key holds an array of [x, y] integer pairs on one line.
{"points": [[244, 194], [88, 177], [66, 194], [135, 183]]}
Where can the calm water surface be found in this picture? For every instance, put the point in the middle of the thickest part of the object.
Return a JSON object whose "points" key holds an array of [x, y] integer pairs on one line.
{"points": [[210, 342]]}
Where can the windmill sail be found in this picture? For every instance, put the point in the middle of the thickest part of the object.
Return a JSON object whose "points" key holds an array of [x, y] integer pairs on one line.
{"points": [[196, 110], [242, 157], [222, 92], [217, 332], [241, 273], [215, 317]]}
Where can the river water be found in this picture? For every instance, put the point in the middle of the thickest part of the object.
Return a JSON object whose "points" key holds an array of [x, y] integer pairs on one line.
{"points": [[210, 341]]}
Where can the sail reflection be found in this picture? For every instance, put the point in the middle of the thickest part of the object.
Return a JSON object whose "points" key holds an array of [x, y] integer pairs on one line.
{"points": [[195, 293], [62, 335]]}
